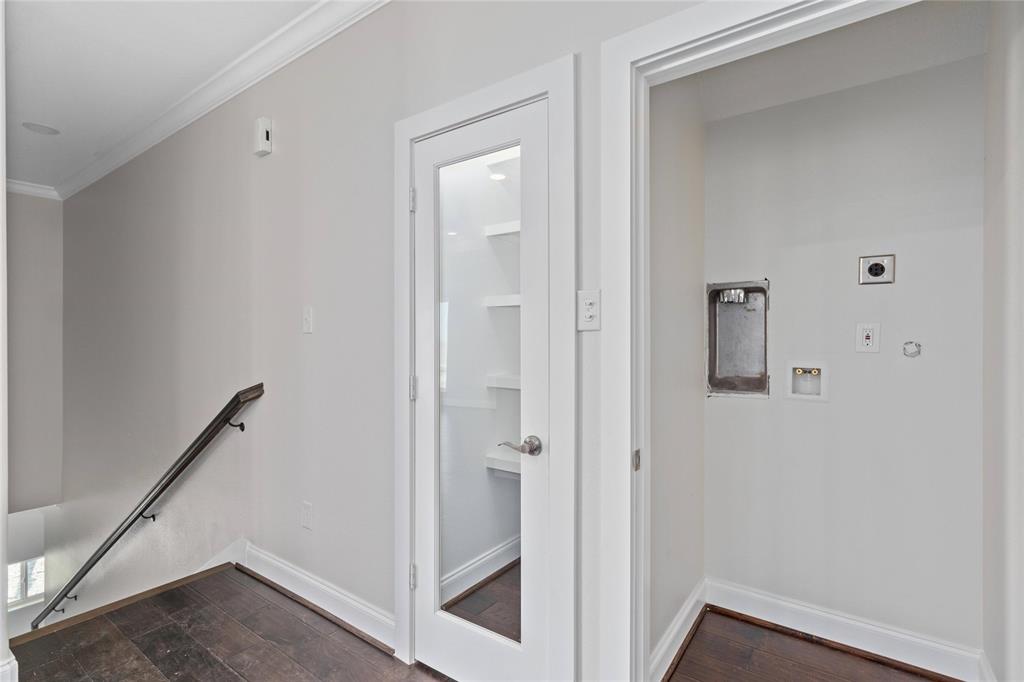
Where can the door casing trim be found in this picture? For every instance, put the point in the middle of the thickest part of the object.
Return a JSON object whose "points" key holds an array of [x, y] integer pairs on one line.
{"points": [[556, 83]]}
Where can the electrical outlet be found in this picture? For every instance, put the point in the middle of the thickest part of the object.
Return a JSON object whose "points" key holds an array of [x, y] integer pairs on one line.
{"points": [[307, 515], [878, 269], [867, 337], [307, 319], [588, 310]]}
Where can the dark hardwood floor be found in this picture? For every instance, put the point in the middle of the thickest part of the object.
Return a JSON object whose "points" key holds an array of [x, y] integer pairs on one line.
{"points": [[726, 647], [231, 626], [225, 626], [493, 603]]}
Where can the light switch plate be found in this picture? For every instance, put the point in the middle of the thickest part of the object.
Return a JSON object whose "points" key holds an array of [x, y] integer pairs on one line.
{"points": [[878, 269], [588, 310]]}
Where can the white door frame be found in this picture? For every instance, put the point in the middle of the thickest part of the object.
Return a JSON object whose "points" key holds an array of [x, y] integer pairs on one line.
{"points": [[694, 40], [8, 665], [555, 82]]}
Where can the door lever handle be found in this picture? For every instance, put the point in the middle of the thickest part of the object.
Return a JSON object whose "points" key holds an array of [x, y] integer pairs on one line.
{"points": [[531, 445]]}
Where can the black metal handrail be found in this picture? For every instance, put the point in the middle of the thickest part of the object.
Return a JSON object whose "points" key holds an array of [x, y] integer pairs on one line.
{"points": [[223, 418]]}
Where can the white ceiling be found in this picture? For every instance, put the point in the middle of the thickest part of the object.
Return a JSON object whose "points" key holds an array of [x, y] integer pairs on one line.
{"points": [[905, 40], [118, 76], [108, 74]]}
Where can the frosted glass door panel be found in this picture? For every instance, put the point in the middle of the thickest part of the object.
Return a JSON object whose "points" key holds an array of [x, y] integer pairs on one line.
{"points": [[479, 330]]}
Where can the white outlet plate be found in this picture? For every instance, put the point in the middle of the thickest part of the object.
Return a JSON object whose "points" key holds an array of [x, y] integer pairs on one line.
{"points": [[868, 337], [307, 319], [307, 515], [878, 269]]}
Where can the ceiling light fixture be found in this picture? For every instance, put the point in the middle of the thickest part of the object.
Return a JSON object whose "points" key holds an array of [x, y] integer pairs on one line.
{"points": [[39, 128], [497, 176], [452, 234]]}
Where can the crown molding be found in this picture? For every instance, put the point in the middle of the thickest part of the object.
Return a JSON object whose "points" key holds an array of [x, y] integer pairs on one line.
{"points": [[32, 189], [324, 20]]}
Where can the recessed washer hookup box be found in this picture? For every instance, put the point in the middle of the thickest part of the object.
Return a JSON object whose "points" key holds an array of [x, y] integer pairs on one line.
{"points": [[737, 337]]}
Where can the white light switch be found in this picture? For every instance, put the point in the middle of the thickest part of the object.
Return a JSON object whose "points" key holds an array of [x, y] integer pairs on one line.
{"points": [[867, 337], [588, 310], [307, 515], [307, 319]]}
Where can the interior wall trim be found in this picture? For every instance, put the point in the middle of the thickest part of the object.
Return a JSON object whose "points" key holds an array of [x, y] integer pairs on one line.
{"points": [[9, 670], [665, 650], [372, 620], [32, 189], [234, 553], [987, 674], [900, 645], [320, 22]]}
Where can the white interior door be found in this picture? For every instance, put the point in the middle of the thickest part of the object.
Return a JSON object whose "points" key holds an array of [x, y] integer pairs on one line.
{"points": [[483, 558]]}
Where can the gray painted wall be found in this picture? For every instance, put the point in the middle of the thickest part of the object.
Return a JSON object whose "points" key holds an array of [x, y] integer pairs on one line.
{"points": [[187, 270], [805, 499], [677, 350], [34, 236]]}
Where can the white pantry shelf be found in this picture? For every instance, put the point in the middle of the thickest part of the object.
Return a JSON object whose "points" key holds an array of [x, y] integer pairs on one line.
{"points": [[501, 461], [505, 301], [509, 381], [498, 229]]}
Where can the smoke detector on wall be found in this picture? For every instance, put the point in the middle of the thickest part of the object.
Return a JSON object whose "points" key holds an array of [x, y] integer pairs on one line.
{"points": [[264, 136]]}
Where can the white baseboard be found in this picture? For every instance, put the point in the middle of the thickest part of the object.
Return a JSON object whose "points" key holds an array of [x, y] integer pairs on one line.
{"points": [[374, 621], [233, 553], [475, 570], [900, 645], [987, 674], [668, 645], [9, 668]]}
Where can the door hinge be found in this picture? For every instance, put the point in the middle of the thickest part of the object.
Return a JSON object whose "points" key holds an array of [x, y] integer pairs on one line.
{"points": [[412, 200], [413, 386], [636, 460], [412, 576]]}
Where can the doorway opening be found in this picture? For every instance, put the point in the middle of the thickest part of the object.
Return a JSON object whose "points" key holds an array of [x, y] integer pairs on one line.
{"points": [[811, 218]]}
